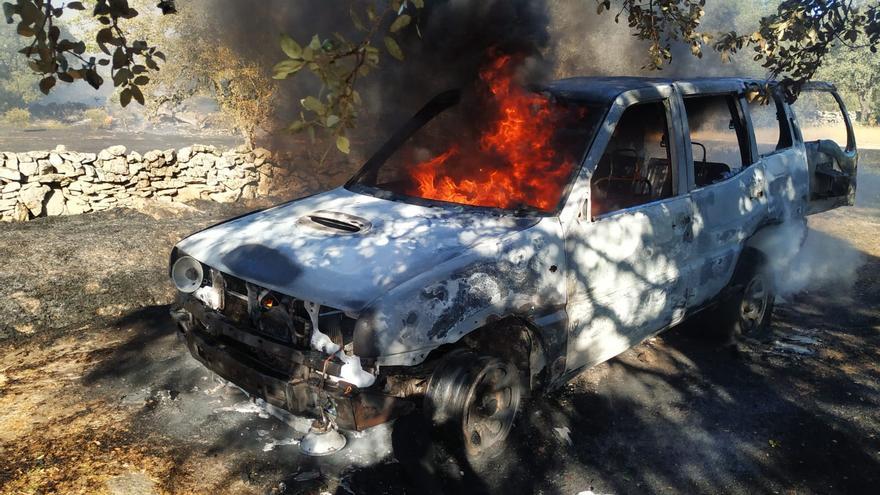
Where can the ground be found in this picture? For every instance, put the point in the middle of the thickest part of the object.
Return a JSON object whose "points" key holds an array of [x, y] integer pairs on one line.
{"points": [[98, 395]]}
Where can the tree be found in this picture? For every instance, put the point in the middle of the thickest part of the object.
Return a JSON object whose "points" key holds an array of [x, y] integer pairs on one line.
{"points": [[856, 74], [17, 84], [791, 43]]}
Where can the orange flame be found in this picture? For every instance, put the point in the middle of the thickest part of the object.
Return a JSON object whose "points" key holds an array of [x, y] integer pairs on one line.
{"points": [[515, 163]]}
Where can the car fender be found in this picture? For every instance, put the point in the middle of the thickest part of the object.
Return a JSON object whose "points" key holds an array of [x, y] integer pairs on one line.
{"points": [[521, 275]]}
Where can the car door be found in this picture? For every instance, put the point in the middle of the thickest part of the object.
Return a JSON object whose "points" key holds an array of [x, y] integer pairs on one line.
{"points": [[628, 247], [825, 129], [728, 187]]}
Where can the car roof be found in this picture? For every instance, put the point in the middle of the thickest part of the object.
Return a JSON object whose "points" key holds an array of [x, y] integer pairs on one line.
{"points": [[604, 89]]}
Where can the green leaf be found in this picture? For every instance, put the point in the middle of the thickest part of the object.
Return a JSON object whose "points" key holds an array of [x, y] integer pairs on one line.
{"points": [[313, 104], [141, 80], [285, 68], [420, 4], [296, 126], [356, 20], [46, 84], [331, 120], [76, 6], [343, 144], [137, 95], [290, 47], [125, 97], [315, 44], [400, 23], [393, 48]]}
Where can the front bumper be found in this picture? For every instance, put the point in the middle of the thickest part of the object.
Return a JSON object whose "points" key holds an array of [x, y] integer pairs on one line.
{"points": [[302, 388]]}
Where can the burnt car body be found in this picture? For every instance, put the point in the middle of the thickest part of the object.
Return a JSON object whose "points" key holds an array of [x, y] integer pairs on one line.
{"points": [[354, 304]]}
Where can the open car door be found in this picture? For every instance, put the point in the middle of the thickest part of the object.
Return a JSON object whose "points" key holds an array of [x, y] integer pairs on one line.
{"points": [[830, 142]]}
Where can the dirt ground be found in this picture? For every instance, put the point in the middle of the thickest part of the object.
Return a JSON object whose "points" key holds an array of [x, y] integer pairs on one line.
{"points": [[97, 395]]}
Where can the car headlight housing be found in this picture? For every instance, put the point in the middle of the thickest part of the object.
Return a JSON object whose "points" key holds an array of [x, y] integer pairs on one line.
{"points": [[187, 274]]}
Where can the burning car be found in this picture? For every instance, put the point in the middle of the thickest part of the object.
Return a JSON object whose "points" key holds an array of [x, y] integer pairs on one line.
{"points": [[503, 241]]}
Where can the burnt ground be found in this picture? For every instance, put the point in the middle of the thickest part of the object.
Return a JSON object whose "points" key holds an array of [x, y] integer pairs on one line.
{"points": [[97, 395]]}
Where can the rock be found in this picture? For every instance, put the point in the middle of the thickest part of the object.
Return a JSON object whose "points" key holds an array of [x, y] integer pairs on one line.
{"points": [[27, 168], [11, 187], [249, 192], [21, 213], [191, 193], [111, 152], [45, 167], [51, 179], [11, 161], [65, 168], [38, 155], [116, 165], [9, 174], [8, 204], [32, 196], [225, 197], [184, 154], [56, 160], [55, 204], [60, 148], [134, 168], [77, 207], [262, 153]]}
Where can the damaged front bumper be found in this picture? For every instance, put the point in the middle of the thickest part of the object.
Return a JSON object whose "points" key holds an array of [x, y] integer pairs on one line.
{"points": [[301, 381]]}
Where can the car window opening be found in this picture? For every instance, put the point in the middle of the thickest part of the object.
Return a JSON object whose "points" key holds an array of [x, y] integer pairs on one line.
{"points": [[636, 167], [499, 146], [771, 130], [719, 138]]}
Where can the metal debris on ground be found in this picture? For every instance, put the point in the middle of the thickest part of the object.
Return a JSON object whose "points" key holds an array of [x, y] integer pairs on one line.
{"points": [[801, 343], [563, 434]]}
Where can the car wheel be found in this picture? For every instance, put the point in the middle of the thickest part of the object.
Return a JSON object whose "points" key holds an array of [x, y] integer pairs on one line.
{"points": [[747, 308], [473, 401]]}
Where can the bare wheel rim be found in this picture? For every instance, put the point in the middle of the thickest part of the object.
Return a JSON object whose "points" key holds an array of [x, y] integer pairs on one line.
{"points": [[754, 304], [491, 406]]}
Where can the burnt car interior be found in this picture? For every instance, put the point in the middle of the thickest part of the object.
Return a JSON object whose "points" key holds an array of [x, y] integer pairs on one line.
{"points": [[832, 162], [443, 155], [719, 137], [635, 168]]}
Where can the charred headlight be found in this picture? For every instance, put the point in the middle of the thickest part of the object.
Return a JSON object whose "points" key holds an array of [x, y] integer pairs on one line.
{"points": [[187, 274]]}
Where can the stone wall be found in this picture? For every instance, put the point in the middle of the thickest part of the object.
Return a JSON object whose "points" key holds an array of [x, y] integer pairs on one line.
{"points": [[61, 182]]}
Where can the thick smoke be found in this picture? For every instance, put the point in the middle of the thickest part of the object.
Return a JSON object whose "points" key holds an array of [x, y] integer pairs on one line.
{"points": [[558, 38]]}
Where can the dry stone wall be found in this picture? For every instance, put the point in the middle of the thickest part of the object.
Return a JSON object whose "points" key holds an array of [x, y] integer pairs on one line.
{"points": [[61, 182]]}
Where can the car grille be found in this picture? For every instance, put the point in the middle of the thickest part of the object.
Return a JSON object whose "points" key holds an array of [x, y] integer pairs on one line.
{"points": [[266, 312]]}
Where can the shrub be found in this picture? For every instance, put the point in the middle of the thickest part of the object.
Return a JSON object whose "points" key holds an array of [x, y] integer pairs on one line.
{"points": [[98, 118], [17, 117]]}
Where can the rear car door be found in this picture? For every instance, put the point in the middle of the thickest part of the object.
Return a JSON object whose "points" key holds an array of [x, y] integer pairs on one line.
{"points": [[825, 128], [728, 186]]}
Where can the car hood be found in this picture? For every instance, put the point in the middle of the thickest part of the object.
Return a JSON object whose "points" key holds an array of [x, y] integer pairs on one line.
{"points": [[343, 249]]}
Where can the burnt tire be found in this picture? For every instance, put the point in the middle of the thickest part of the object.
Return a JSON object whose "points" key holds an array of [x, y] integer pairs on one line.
{"points": [[472, 401], [746, 308]]}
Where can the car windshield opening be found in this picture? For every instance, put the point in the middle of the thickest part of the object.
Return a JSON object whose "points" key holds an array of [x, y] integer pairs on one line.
{"points": [[497, 145]]}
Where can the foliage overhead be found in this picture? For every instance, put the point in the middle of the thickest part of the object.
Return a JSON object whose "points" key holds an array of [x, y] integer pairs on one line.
{"points": [[791, 43], [338, 62], [58, 58]]}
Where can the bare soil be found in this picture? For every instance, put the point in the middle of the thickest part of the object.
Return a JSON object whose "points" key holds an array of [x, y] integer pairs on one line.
{"points": [[97, 395]]}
